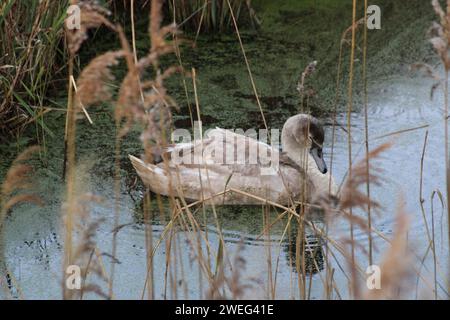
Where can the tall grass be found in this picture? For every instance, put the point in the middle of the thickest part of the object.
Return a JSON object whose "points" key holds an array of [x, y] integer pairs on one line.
{"points": [[212, 15], [31, 61]]}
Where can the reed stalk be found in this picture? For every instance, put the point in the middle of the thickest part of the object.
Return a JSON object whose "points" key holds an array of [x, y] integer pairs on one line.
{"points": [[366, 134]]}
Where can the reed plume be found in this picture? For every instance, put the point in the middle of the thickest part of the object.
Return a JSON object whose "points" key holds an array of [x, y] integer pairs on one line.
{"points": [[15, 190], [145, 101], [351, 197], [86, 254], [232, 287], [93, 82], [16, 182], [84, 251], [301, 85], [140, 100], [395, 267], [350, 194], [92, 15]]}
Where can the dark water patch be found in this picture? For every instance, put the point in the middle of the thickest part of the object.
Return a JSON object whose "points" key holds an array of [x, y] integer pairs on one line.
{"points": [[309, 253], [226, 81], [186, 123], [272, 103]]}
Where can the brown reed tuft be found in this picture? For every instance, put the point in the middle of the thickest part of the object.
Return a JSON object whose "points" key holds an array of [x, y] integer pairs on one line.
{"points": [[84, 251], [86, 255], [12, 190], [92, 83], [347, 33], [395, 267], [440, 33], [234, 284], [142, 101], [92, 15], [309, 70], [17, 181], [350, 195]]}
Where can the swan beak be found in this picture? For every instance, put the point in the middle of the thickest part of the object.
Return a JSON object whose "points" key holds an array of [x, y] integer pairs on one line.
{"points": [[317, 155]]}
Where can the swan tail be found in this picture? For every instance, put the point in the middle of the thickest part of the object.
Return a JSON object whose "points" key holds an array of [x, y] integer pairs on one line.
{"points": [[153, 176]]}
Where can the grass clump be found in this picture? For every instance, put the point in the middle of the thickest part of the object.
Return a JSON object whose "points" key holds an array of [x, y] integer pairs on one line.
{"points": [[31, 60], [212, 15]]}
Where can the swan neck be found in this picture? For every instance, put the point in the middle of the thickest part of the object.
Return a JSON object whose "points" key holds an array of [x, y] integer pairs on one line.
{"points": [[299, 154]]}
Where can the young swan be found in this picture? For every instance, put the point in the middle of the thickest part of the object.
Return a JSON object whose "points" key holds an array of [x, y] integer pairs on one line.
{"points": [[229, 168], [302, 138]]}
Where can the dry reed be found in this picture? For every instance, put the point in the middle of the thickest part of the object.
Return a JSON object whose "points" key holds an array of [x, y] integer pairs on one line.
{"points": [[395, 267], [440, 39], [15, 190], [30, 62]]}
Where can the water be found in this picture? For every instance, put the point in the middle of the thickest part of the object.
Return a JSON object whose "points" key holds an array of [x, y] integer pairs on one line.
{"points": [[34, 244], [400, 107]]}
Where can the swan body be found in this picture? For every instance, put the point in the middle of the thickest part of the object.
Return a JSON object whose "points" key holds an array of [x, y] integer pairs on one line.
{"points": [[207, 169]]}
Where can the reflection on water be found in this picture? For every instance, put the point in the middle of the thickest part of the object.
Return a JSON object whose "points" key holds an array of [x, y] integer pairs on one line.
{"points": [[34, 242], [308, 252]]}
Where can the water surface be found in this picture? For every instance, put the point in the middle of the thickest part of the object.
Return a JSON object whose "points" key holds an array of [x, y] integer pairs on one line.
{"points": [[34, 244]]}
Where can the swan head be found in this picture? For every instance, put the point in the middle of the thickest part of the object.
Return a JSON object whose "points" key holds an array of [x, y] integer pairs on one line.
{"points": [[304, 133]]}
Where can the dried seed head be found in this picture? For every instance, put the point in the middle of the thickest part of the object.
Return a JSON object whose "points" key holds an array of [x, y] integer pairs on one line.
{"points": [[440, 33], [395, 267], [16, 182], [92, 15], [350, 195], [92, 84]]}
